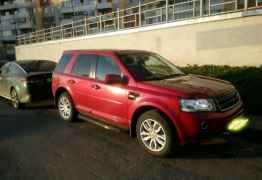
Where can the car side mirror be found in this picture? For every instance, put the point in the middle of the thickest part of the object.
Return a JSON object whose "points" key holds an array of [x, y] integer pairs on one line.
{"points": [[115, 79]]}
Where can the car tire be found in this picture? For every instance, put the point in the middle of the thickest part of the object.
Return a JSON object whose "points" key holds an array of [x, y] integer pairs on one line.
{"points": [[15, 99], [155, 134], [66, 107]]}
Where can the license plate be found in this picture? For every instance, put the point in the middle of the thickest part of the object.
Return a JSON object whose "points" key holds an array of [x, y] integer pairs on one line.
{"points": [[238, 124]]}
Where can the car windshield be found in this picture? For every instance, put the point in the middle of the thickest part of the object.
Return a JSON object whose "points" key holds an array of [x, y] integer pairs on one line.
{"points": [[149, 66], [37, 66]]}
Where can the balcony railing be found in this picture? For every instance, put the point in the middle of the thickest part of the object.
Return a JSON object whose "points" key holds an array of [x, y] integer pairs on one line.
{"points": [[157, 12]]}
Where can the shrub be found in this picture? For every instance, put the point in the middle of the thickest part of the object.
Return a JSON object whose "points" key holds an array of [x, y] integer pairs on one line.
{"points": [[248, 81]]}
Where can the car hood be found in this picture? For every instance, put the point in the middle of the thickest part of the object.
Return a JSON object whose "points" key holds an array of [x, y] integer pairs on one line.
{"points": [[195, 86]]}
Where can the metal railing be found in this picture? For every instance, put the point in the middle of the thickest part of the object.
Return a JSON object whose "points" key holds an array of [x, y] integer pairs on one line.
{"points": [[142, 15]]}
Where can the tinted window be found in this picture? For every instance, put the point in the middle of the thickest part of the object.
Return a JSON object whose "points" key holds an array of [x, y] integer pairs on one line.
{"points": [[84, 64], [106, 66], [2, 63], [5, 69], [63, 63], [37, 66]]}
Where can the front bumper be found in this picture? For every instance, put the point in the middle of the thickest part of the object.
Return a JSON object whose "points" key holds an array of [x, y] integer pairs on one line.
{"points": [[230, 128], [206, 125]]}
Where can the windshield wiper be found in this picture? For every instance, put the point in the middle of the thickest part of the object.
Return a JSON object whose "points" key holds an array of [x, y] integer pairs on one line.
{"points": [[171, 76], [152, 78]]}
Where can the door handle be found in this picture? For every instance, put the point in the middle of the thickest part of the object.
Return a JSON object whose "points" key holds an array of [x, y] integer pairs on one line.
{"points": [[95, 86], [133, 95], [71, 82]]}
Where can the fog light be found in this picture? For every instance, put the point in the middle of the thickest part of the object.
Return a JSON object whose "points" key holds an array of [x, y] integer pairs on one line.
{"points": [[238, 124], [204, 125]]}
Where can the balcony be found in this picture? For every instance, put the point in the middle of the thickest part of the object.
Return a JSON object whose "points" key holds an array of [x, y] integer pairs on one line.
{"points": [[7, 26], [104, 6], [67, 7], [66, 21], [10, 38], [7, 18], [87, 7], [49, 12], [7, 6], [23, 4], [15, 4], [25, 25]]}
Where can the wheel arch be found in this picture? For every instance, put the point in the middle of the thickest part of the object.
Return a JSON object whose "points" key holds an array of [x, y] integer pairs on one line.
{"points": [[142, 109], [12, 87], [59, 91]]}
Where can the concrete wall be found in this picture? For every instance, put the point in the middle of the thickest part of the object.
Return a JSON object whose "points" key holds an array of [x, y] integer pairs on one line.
{"points": [[234, 39]]}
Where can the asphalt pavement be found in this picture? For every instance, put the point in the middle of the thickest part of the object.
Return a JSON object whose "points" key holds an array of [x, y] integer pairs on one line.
{"points": [[36, 145]]}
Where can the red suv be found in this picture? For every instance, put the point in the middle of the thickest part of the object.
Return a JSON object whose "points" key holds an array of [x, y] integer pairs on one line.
{"points": [[145, 94]]}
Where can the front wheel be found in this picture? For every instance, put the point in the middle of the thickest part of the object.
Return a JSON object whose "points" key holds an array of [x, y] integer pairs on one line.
{"points": [[65, 107], [15, 99], [155, 134]]}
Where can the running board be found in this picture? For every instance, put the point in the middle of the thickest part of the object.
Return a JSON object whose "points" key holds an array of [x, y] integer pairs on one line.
{"points": [[96, 122]]}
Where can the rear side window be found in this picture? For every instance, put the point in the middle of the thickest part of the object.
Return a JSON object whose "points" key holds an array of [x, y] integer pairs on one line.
{"points": [[106, 66], [15, 70], [5, 69], [63, 63], [37, 66], [84, 64]]}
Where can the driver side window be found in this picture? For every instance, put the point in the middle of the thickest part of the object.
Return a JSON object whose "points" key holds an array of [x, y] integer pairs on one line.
{"points": [[106, 66]]}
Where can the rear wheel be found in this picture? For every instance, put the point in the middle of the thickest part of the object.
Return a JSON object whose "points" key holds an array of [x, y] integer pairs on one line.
{"points": [[15, 99], [155, 134], [65, 107]]}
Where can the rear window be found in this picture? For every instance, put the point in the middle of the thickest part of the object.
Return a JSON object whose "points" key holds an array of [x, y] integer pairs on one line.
{"points": [[63, 63], [38, 66]]}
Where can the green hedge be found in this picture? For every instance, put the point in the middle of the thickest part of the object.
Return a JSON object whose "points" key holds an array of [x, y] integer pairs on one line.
{"points": [[248, 81]]}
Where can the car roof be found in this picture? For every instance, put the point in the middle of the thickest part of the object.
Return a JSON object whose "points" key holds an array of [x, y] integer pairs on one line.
{"points": [[117, 51]]}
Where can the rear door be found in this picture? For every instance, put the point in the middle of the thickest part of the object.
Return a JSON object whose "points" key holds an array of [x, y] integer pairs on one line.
{"points": [[79, 82], [109, 101]]}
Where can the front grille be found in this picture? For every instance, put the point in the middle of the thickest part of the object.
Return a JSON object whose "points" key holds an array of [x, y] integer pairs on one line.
{"points": [[228, 101]]}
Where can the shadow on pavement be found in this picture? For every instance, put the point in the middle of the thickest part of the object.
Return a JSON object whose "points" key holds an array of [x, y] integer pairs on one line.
{"points": [[244, 145], [41, 120]]}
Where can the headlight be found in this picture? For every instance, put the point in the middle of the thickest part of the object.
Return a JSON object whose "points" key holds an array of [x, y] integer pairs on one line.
{"points": [[194, 105]]}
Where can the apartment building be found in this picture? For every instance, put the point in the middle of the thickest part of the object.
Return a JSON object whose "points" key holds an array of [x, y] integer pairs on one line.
{"points": [[15, 18], [76, 9], [23, 16], [70, 10]]}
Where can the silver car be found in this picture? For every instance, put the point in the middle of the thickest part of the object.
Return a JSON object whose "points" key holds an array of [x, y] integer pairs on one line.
{"points": [[26, 81]]}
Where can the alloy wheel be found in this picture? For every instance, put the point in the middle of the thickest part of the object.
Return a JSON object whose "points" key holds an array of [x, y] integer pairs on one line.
{"points": [[153, 135], [15, 99], [65, 107]]}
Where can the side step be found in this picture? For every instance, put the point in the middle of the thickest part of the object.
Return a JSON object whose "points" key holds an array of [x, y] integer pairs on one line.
{"points": [[98, 123]]}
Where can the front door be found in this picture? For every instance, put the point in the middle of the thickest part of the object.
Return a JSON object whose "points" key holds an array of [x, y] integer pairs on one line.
{"points": [[109, 101]]}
